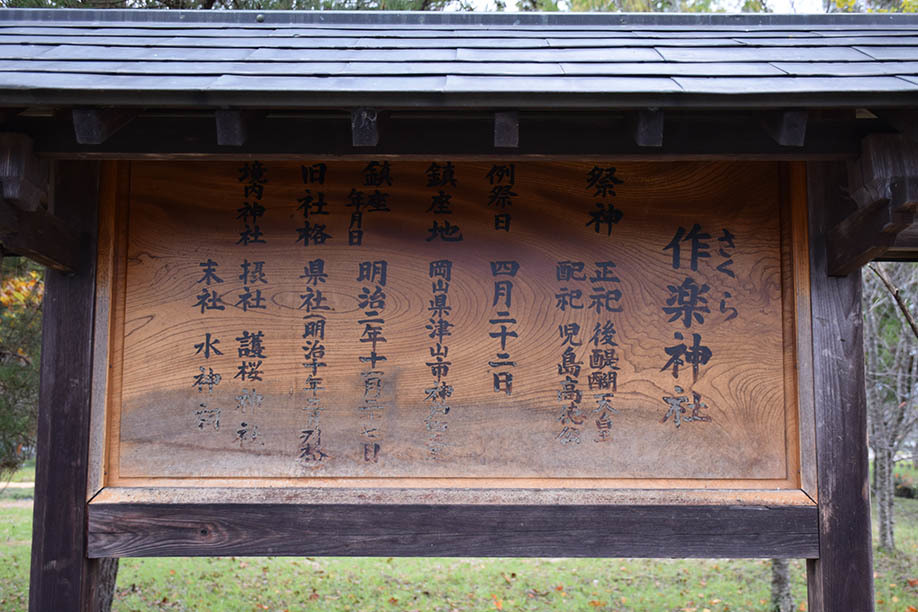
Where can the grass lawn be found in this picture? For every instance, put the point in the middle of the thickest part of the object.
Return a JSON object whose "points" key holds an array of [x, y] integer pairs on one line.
{"points": [[331, 584]]}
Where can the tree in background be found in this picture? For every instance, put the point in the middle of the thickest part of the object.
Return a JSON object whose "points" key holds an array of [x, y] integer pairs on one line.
{"points": [[255, 5], [891, 358], [21, 290]]}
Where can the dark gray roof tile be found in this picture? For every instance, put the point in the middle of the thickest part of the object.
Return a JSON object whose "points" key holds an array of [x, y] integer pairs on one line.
{"points": [[227, 58]]}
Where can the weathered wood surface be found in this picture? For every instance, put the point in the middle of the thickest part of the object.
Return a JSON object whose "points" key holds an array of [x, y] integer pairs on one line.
{"points": [[745, 386], [93, 126], [577, 135], [39, 236], [23, 176], [786, 127], [62, 577], [842, 577], [452, 531]]}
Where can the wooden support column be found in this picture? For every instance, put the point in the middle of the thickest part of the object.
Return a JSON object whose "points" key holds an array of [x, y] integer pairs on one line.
{"points": [[842, 577], [63, 578]]}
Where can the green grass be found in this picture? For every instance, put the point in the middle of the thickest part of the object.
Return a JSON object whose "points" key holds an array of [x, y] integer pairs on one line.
{"points": [[26, 473], [339, 584]]}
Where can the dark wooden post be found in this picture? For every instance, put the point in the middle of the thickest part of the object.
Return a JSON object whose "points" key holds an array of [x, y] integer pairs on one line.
{"points": [[842, 577], [63, 578]]}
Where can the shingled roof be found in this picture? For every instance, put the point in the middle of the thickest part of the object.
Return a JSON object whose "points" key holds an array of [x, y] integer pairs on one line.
{"points": [[327, 59]]}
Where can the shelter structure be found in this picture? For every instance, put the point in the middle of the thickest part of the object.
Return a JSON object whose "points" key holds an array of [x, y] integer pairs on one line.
{"points": [[454, 284]]}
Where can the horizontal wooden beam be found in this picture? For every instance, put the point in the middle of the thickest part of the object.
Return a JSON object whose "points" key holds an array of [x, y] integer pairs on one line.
{"points": [[903, 121], [39, 236], [456, 135], [234, 126], [93, 126], [152, 530]]}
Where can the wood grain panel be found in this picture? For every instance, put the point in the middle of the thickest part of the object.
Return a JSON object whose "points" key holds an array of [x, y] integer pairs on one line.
{"points": [[183, 214], [451, 530]]}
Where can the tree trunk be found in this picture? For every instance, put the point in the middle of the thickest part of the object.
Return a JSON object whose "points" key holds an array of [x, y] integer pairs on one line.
{"points": [[874, 490], [883, 466], [781, 598]]}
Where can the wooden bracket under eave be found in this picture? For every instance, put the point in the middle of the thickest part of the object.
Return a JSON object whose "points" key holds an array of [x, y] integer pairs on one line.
{"points": [[883, 182], [23, 176], [786, 127], [647, 127], [870, 231], [40, 236], [506, 130], [365, 127]]}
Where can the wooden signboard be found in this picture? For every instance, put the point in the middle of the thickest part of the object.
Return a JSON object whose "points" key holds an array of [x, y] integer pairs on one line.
{"points": [[392, 323]]}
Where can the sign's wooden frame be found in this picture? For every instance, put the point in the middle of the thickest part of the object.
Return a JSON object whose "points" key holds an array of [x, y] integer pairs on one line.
{"points": [[153, 517], [71, 534]]}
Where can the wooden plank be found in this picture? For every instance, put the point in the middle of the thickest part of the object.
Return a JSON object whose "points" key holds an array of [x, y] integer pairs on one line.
{"points": [[39, 236], [451, 531], [432, 492], [114, 186], [62, 577], [795, 223], [94, 126], [163, 436], [842, 577]]}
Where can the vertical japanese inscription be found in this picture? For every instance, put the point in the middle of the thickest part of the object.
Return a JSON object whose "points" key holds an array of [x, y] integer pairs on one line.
{"points": [[373, 276], [250, 348], [314, 275], [438, 329], [503, 325], [377, 176], [688, 306], [314, 305], [313, 207], [441, 177], [502, 178]]}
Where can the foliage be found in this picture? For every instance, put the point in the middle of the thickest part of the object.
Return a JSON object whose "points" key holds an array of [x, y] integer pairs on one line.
{"points": [[891, 359], [256, 5], [870, 6], [21, 292], [904, 486]]}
